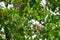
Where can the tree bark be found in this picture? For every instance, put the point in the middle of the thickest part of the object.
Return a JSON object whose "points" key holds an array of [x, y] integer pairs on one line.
{"points": [[7, 33]]}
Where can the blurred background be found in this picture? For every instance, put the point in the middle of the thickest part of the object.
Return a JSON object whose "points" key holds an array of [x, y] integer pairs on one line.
{"points": [[29, 19]]}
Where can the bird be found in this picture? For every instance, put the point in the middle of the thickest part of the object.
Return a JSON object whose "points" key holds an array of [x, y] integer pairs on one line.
{"points": [[35, 22]]}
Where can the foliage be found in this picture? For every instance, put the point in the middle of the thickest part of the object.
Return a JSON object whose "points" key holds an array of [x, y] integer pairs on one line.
{"points": [[16, 20]]}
